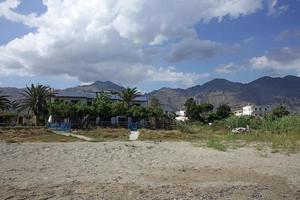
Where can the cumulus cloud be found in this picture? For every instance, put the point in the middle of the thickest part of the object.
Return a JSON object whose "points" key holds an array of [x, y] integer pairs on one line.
{"points": [[106, 39], [194, 49], [278, 60]]}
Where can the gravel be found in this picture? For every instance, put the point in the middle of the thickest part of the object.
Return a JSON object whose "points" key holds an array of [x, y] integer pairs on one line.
{"points": [[144, 170]]}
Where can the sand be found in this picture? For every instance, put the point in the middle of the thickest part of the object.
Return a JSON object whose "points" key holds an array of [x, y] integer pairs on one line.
{"points": [[144, 170]]}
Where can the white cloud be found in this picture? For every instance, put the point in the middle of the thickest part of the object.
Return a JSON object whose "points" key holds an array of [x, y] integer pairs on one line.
{"points": [[106, 39], [227, 69], [193, 48], [279, 60], [275, 9], [170, 75]]}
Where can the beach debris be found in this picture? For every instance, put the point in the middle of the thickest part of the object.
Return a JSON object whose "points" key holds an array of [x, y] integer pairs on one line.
{"points": [[241, 130]]}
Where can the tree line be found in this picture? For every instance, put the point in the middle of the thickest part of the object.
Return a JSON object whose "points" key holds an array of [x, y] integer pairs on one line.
{"points": [[205, 112], [36, 100]]}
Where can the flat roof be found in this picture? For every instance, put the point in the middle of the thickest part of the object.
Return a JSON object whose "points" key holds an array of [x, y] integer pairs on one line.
{"points": [[86, 95]]}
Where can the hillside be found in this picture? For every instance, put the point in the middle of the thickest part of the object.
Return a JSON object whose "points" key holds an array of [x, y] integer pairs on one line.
{"points": [[96, 86], [265, 90]]}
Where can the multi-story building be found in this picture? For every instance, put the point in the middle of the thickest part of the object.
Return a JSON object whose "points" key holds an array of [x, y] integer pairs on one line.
{"points": [[75, 97], [253, 110]]}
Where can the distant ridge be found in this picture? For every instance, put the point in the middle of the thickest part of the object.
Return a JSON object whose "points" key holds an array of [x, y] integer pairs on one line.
{"points": [[265, 90], [97, 86]]}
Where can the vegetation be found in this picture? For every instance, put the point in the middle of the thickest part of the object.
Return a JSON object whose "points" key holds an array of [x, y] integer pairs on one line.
{"points": [[278, 129], [4, 102], [284, 125], [103, 108], [106, 134], [36, 100], [204, 112], [280, 111], [15, 106], [128, 95], [223, 111], [20, 135]]}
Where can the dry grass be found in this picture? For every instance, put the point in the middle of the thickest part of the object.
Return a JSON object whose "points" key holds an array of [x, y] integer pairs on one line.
{"points": [[106, 134], [20, 135], [215, 136]]}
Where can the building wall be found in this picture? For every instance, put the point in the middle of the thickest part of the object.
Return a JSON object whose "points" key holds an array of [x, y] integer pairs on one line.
{"points": [[255, 110], [68, 100]]}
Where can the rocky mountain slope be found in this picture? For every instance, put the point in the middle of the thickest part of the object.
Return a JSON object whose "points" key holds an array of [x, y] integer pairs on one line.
{"points": [[265, 90]]}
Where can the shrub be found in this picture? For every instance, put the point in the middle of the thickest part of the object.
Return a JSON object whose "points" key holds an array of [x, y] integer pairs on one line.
{"points": [[286, 124]]}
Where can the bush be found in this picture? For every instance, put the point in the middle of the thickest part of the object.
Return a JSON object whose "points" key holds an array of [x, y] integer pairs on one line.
{"points": [[286, 124], [184, 127]]}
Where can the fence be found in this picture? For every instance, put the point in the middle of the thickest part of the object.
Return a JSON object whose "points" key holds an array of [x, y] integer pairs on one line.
{"points": [[59, 126], [63, 126], [167, 125]]}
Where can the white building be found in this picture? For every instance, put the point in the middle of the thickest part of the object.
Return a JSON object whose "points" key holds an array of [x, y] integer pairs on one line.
{"points": [[181, 115], [254, 110]]}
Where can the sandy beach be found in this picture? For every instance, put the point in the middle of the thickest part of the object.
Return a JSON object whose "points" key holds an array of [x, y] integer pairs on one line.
{"points": [[144, 170]]}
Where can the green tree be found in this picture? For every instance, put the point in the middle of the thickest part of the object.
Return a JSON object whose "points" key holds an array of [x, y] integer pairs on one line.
{"points": [[128, 95], [4, 102], [191, 109], [280, 111], [155, 112], [15, 106], [35, 99], [118, 109], [223, 111], [138, 112], [205, 111], [60, 110], [102, 106]]}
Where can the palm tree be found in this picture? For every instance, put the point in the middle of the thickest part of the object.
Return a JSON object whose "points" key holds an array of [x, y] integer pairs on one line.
{"points": [[4, 102], [35, 99], [128, 95], [15, 106]]}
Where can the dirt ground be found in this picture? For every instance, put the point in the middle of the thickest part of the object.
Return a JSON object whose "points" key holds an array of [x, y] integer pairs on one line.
{"points": [[144, 170]]}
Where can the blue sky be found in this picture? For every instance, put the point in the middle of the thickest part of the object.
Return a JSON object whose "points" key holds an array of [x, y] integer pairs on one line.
{"points": [[148, 44]]}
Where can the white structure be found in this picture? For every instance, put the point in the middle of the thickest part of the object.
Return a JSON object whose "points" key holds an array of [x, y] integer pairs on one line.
{"points": [[181, 116], [253, 110]]}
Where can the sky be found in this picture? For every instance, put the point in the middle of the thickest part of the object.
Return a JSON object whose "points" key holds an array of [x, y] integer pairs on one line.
{"points": [[147, 44]]}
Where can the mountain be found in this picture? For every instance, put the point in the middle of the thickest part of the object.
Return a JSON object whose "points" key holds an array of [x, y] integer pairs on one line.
{"points": [[16, 93], [265, 90], [170, 99], [13, 93], [96, 86]]}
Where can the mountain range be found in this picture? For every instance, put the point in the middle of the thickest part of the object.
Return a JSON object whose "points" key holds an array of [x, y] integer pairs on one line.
{"points": [[263, 91]]}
